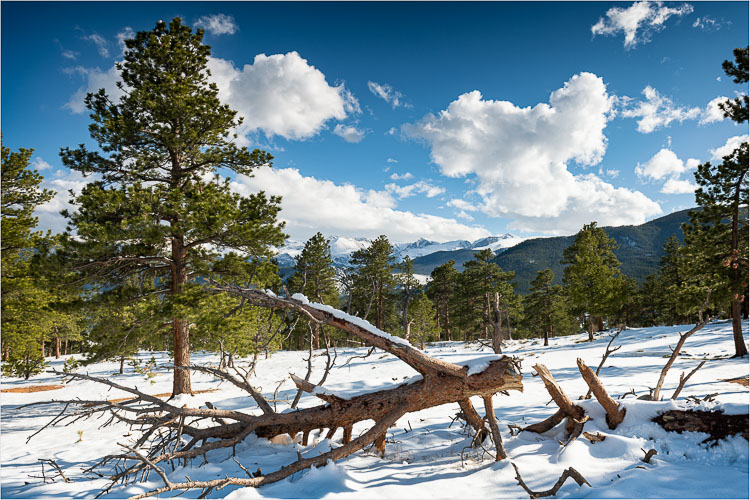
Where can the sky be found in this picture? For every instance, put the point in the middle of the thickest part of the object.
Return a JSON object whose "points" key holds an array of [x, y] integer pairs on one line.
{"points": [[438, 120]]}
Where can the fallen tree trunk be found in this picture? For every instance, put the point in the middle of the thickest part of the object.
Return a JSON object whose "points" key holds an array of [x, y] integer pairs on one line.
{"points": [[715, 423], [164, 426]]}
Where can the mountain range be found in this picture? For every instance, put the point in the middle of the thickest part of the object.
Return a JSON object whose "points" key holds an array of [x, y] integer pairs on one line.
{"points": [[640, 251]]}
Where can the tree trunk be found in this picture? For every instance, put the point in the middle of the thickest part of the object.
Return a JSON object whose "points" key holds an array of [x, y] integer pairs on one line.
{"points": [[447, 324], [379, 321], [507, 325], [180, 327], [591, 328], [316, 336], [599, 324], [65, 352], [122, 365], [43, 348], [547, 333], [497, 323], [57, 344], [740, 349]]}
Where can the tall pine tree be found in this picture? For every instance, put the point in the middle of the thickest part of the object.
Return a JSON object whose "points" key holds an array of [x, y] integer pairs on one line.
{"points": [[592, 277], [716, 236], [373, 277], [159, 213], [442, 290]]}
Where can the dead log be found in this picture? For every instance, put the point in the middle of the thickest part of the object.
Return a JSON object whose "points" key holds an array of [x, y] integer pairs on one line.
{"points": [[607, 352], [683, 337], [574, 413], [489, 409], [715, 423], [569, 472], [649, 455], [615, 415], [471, 416], [163, 424]]}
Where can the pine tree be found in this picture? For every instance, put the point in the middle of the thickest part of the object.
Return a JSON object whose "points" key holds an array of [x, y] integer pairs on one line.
{"points": [[486, 297], [373, 277], [592, 276], [716, 235], [409, 286], [422, 325], [160, 218], [24, 302], [315, 276], [545, 308], [442, 290]]}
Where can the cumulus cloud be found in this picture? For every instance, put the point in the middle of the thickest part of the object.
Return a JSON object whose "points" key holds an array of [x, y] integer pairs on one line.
{"points": [[678, 186], [95, 79], [217, 24], [421, 187], [657, 111], [40, 164], [282, 95], [406, 176], [665, 164], [391, 160], [388, 94], [520, 157], [310, 205], [462, 205], [638, 22], [126, 33], [732, 143], [62, 182], [279, 94], [349, 133], [713, 112]]}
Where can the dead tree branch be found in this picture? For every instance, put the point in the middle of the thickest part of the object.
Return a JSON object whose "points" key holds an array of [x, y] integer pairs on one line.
{"points": [[569, 472], [615, 415], [684, 379], [607, 352]]}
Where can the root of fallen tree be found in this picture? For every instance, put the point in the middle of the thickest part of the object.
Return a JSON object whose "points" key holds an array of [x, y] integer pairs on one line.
{"points": [[169, 435]]}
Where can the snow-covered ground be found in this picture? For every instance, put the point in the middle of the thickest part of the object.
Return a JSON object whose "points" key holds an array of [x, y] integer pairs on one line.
{"points": [[427, 456]]}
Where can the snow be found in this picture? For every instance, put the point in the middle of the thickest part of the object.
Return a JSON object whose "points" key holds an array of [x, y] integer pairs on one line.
{"points": [[427, 455]]}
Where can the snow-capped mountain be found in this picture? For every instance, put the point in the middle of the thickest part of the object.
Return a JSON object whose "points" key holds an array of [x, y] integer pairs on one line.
{"points": [[342, 247]]}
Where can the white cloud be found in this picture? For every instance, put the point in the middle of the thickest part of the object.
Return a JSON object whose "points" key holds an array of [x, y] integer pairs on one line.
{"points": [[126, 33], [420, 187], [310, 205], [665, 164], [732, 143], [100, 42], [391, 160], [713, 112], [70, 54], [388, 94], [657, 111], [281, 95], [406, 176], [520, 156], [61, 181], [349, 133], [678, 186], [462, 205], [708, 24], [95, 79], [40, 164], [638, 22], [217, 24], [464, 215]]}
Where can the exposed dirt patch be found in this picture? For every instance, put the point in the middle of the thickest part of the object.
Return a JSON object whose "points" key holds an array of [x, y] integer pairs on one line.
{"points": [[34, 388], [738, 380]]}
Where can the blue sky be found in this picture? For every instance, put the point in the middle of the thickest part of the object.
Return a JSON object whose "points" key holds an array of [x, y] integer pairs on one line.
{"points": [[437, 120]]}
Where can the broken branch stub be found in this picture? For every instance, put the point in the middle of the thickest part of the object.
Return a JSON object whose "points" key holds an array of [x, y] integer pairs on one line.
{"points": [[615, 415]]}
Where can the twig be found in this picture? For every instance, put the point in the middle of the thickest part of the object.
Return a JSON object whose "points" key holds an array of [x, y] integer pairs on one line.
{"points": [[684, 379], [569, 472]]}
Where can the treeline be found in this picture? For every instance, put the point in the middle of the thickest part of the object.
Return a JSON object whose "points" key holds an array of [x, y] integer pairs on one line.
{"points": [[157, 235]]}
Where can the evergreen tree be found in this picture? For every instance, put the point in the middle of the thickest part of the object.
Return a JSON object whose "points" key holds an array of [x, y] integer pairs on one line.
{"points": [[442, 290], [157, 219], [545, 308], [486, 296], [422, 325], [25, 304], [373, 277], [592, 277], [409, 286], [716, 235], [315, 276]]}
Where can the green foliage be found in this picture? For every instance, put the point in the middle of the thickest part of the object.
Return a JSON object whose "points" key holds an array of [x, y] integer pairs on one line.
{"points": [[372, 277], [314, 274], [161, 223], [25, 303], [443, 290], [592, 277], [546, 310], [423, 327]]}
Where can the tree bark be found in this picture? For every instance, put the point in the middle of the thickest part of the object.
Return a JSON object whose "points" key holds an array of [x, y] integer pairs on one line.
{"points": [[180, 327], [740, 349], [715, 423], [614, 414], [57, 344], [497, 323]]}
